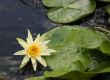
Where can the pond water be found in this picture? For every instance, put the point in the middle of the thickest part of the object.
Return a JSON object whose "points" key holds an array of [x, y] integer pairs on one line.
{"points": [[15, 19], [16, 16]]}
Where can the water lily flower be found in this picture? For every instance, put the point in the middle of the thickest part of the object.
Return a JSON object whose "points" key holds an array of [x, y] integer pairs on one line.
{"points": [[34, 50]]}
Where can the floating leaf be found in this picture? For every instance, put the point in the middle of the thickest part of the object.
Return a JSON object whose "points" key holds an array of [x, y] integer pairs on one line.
{"points": [[66, 11], [108, 10], [78, 75], [36, 78], [69, 57], [105, 47], [73, 75], [82, 36], [69, 42]]}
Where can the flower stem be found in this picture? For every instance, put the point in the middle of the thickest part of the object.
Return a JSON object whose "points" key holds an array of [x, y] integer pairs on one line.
{"points": [[102, 29]]}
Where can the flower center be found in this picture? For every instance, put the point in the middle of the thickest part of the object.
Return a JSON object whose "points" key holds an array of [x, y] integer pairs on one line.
{"points": [[33, 50]]}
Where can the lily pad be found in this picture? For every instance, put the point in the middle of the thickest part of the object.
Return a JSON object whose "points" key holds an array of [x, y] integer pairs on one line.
{"points": [[108, 11], [36, 78], [70, 43], [105, 47], [70, 57], [74, 75], [66, 11], [79, 75], [82, 36]]}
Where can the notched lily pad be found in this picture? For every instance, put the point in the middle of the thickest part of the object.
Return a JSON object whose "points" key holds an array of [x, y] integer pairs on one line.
{"points": [[66, 11]]}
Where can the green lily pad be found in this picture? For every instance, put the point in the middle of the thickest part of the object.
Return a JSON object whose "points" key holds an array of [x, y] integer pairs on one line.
{"points": [[70, 57], [108, 11], [105, 47], [36, 78], [66, 11], [70, 42], [78, 75], [82, 36], [73, 75]]}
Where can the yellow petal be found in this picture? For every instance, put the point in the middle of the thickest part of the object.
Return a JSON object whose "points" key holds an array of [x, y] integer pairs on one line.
{"points": [[21, 52], [34, 63], [42, 61], [29, 38], [22, 42], [25, 61]]}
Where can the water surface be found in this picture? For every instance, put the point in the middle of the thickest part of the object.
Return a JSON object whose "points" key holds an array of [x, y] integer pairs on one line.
{"points": [[15, 19]]}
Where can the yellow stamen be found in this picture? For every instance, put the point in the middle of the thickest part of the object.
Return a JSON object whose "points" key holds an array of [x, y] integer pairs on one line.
{"points": [[33, 50]]}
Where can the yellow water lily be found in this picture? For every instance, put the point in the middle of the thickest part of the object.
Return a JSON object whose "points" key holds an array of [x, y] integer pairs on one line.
{"points": [[34, 50]]}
